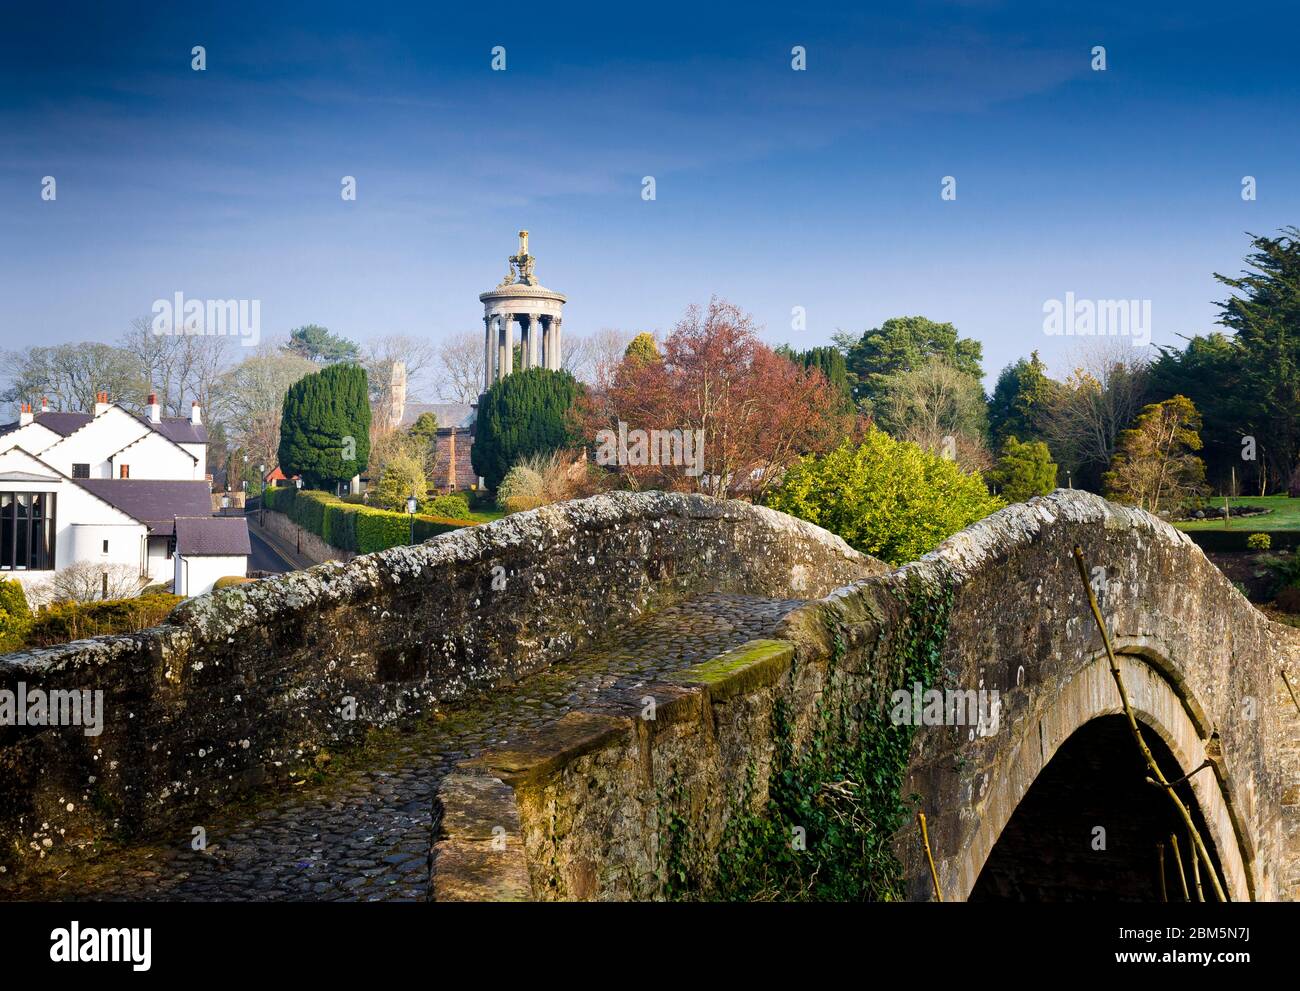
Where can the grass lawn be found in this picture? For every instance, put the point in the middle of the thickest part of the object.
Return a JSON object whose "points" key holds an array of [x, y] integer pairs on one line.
{"points": [[1285, 515], [487, 515]]}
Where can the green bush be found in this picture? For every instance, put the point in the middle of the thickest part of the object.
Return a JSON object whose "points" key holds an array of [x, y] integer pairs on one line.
{"points": [[452, 506], [1259, 542], [885, 497], [1024, 470], [63, 622], [522, 414], [1215, 539], [228, 581], [15, 616], [350, 527]]}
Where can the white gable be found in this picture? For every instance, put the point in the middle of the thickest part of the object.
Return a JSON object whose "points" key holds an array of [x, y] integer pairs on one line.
{"points": [[33, 437], [154, 456], [95, 443]]}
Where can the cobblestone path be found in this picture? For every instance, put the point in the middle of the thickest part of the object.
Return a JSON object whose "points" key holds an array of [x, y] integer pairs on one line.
{"points": [[366, 831]]}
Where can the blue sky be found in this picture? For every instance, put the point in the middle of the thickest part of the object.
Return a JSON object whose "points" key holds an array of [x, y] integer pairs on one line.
{"points": [[775, 188]]}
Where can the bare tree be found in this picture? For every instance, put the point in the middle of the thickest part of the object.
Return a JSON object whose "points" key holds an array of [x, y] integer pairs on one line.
{"points": [[178, 368], [70, 375], [594, 358], [249, 399], [85, 581], [1101, 397], [417, 354], [459, 368]]}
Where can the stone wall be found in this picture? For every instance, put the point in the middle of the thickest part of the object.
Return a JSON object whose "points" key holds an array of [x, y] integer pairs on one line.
{"points": [[312, 547], [584, 808], [245, 685]]}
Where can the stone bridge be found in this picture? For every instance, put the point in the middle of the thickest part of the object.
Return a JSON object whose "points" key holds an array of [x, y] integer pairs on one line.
{"points": [[534, 708]]}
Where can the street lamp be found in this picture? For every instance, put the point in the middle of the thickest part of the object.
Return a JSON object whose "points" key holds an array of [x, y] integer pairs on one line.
{"points": [[225, 504], [261, 507], [412, 504]]}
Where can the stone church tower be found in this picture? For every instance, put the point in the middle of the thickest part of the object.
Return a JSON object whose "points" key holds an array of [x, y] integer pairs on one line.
{"points": [[520, 298]]}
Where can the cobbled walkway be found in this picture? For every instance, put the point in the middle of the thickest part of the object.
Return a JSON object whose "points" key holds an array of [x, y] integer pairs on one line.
{"points": [[365, 833]]}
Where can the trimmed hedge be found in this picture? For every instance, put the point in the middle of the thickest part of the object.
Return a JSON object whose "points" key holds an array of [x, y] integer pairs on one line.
{"points": [[350, 527], [1235, 540], [63, 622]]}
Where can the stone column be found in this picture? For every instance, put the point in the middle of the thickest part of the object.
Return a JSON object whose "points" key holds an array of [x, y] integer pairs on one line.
{"points": [[557, 343], [505, 347], [489, 352], [535, 331]]}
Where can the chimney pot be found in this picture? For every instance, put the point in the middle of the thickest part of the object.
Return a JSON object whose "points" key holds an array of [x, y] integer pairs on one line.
{"points": [[196, 415]]}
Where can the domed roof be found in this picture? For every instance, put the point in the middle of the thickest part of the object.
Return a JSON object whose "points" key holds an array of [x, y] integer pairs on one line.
{"points": [[519, 282], [517, 290]]}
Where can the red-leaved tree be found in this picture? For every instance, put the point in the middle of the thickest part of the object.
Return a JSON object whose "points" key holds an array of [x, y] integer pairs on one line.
{"points": [[757, 410]]}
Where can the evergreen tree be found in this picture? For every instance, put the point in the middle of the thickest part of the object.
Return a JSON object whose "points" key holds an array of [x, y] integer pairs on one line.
{"points": [[1020, 401], [1265, 313], [903, 344], [830, 360], [317, 344], [325, 426], [1024, 470], [522, 414]]}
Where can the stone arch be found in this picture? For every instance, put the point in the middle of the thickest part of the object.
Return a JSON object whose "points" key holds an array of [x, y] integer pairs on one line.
{"points": [[1159, 707]]}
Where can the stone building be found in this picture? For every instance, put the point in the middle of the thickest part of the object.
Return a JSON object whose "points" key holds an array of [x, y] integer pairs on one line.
{"points": [[520, 298]]}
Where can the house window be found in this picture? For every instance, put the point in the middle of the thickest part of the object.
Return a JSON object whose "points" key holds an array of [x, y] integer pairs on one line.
{"points": [[171, 547], [27, 531], [105, 546], [124, 471], [81, 471]]}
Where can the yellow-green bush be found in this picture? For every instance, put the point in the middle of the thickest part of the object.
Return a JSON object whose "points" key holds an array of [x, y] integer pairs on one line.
{"points": [[885, 497], [15, 616], [228, 581]]}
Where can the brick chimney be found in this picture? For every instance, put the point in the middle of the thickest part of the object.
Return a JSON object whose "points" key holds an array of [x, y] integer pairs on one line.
{"points": [[25, 414], [101, 403], [196, 413], [155, 411], [45, 405]]}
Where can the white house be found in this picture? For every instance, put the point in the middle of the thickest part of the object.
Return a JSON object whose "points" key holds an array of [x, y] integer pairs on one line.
{"points": [[208, 548], [103, 487]]}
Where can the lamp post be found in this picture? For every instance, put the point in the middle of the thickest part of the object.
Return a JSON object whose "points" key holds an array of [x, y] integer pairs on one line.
{"points": [[412, 504], [261, 507], [225, 503]]}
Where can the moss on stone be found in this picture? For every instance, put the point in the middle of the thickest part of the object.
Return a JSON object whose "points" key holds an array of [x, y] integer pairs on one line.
{"points": [[755, 664]]}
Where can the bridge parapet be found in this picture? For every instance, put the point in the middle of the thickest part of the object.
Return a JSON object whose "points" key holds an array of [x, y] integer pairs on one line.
{"points": [[611, 804], [246, 685]]}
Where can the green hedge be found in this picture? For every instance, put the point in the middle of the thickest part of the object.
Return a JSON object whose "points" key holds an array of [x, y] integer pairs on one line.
{"points": [[67, 621], [350, 527], [1235, 540]]}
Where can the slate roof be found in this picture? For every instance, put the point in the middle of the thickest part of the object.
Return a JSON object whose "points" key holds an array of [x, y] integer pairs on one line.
{"points": [[176, 429], [154, 502], [225, 536]]}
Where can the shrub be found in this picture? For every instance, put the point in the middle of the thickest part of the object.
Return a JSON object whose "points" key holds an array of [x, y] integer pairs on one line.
{"points": [[15, 616], [349, 527], [403, 476], [1259, 542], [521, 489], [453, 506], [522, 414], [66, 621], [1024, 470], [228, 581], [885, 497]]}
